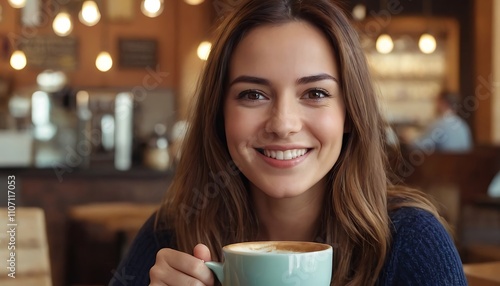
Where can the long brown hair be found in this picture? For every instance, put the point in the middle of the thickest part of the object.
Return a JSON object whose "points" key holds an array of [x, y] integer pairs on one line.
{"points": [[208, 200]]}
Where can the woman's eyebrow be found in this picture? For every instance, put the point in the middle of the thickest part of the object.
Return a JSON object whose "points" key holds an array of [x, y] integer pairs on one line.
{"points": [[250, 79], [315, 78], [302, 80]]}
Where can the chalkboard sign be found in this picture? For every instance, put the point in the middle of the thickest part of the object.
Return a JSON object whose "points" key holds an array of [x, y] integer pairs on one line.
{"points": [[51, 52], [137, 53]]}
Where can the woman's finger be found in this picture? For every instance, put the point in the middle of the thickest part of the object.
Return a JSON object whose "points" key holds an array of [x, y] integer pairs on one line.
{"points": [[202, 252], [173, 267]]}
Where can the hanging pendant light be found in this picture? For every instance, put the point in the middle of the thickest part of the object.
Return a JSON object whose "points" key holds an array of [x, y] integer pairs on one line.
{"points": [[152, 8], [104, 62], [384, 44], [62, 24], [17, 3], [194, 2], [89, 15], [18, 60], [427, 43], [359, 12], [204, 50]]}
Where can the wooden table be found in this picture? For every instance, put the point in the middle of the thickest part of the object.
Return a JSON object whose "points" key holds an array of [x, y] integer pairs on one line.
{"points": [[483, 274], [31, 252], [113, 217]]}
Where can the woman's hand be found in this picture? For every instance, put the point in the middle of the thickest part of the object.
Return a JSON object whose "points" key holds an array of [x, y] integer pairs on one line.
{"points": [[175, 268]]}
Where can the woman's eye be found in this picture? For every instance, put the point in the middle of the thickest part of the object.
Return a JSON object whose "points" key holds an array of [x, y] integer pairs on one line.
{"points": [[251, 95], [316, 94]]}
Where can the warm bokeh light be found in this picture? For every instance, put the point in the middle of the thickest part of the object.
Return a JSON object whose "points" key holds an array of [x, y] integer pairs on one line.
{"points": [[104, 62], [384, 44], [89, 15], [62, 24], [204, 50], [17, 3], [359, 12], [18, 60], [194, 2], [427, 43], [152, 8], [51, 80]]}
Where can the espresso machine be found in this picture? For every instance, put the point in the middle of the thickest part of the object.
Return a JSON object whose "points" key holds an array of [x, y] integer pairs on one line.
{"points": [[105, 127]]}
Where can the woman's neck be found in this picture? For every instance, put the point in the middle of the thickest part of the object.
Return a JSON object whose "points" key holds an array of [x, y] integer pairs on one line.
{"points": [[293, 219]]}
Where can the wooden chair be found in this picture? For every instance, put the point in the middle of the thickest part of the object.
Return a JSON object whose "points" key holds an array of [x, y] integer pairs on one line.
{"points": [[23, 237], [457, 182], [103, 230]]}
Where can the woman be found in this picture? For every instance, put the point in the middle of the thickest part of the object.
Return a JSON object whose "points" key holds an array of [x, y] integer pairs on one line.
{"points": [[286, 143]]}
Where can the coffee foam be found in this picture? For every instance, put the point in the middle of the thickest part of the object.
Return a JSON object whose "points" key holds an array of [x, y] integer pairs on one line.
{"points": [[281, 247]]}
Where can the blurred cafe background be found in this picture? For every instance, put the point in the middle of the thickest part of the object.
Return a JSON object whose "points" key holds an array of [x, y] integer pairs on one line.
{"points": [[94, 96]]}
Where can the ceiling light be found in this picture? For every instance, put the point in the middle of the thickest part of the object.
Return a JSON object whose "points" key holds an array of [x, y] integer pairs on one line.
{"points": [[17, 3], [18, 60], [62, 24], [104, 62], [359, 12], [89, 15], [204, 50], [152, 8], [194, 2], [384, 44], [427, 43]]}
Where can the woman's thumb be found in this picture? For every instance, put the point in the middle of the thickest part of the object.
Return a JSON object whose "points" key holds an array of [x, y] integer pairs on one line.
{"points": [[202, 252]]}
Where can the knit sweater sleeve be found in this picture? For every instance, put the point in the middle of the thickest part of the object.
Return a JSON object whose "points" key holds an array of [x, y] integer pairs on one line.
{"points": [[141, 256], [422, 252]]}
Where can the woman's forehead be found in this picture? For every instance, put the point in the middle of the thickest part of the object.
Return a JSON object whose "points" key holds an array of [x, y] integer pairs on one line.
{"points": [[292, 47]]}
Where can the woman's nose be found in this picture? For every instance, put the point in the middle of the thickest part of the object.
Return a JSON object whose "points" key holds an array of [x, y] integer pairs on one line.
{"points": [[284, 119]]}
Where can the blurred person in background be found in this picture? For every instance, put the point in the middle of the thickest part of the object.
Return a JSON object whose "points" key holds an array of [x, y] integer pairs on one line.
{"points": [[448, 133], [494, 188]]}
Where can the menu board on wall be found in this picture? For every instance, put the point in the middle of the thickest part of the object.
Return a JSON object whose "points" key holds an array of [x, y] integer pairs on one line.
{"points": [[135, 53], [51, 52]]}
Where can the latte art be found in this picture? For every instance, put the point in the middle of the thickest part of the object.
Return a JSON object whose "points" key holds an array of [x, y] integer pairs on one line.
{"points": [[276, 247]]}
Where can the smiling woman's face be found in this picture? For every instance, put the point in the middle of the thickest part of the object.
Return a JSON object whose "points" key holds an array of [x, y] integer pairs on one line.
{"points": [[284, 111]]}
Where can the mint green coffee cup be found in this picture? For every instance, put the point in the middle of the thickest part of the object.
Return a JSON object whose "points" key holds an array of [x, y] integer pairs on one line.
{"points": [[275, 263]]}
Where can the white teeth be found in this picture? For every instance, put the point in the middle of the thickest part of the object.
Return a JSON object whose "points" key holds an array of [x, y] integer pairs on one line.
{"points": [[285, 155], [279, 155]]}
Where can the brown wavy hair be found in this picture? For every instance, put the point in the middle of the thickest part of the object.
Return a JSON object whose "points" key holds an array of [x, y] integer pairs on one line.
{"points": [[208, 201]]}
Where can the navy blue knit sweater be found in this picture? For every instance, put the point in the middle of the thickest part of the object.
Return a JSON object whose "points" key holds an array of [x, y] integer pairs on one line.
{"points": [[422, 253]]}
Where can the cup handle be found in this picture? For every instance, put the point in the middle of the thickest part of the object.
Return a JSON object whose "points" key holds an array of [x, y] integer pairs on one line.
{"points": [[216, 268]]}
